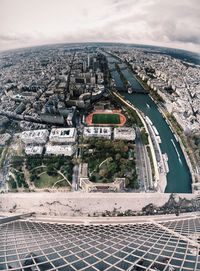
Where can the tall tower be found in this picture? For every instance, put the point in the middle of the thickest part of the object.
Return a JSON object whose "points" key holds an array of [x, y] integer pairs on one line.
{"points": [[88, 61], [84, 66]]}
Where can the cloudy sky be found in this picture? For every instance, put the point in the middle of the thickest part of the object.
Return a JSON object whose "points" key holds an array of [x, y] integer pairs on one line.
{"points": [[172, 23]]}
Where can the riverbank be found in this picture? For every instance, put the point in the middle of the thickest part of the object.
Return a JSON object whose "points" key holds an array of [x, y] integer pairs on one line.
{"points": [[158, 99], [188, 159], [160, 181], [178, 177]]}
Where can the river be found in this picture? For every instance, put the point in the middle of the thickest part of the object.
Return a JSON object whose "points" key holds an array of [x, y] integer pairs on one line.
{"points": [[179, 177]]}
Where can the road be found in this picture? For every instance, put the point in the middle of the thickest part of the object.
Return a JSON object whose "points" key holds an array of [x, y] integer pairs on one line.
{"points": [[178, 179], [4, 171], [115, 220], [143, 163], [68, 79], [130, 105], [75, 178]]}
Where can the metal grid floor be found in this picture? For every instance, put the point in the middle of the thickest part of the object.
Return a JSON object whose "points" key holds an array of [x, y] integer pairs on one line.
{"points": [[172, 245]]}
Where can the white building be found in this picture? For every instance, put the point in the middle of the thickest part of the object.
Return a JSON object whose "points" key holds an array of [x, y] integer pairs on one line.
{"points": [[70, 118], [104, 132], [35, 136], [4, 138], [116, 186], [63, 135], [67, 150], [124, 133], [33, 150]]}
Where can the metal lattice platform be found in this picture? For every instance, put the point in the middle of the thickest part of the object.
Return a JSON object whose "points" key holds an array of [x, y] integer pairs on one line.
{"points": [[172, 245]]}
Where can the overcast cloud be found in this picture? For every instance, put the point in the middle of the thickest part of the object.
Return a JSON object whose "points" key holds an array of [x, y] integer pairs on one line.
{"points": [[173, 23]]}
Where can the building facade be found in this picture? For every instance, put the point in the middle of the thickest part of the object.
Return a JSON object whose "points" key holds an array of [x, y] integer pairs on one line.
{"points": [[124, 133], [103, 132], [35, 136], [67, 150], [63, 135]]}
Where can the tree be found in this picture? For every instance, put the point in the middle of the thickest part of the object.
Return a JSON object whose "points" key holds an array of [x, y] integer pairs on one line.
{"points": [[33, 177], [32, 162], [17, 161], [112, 168], [118, 156], [93, 178], [51, 170], [12, 183], [144, 137], [103, 172]]}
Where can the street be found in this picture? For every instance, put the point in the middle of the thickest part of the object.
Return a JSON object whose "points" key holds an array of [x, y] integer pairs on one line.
{"points": [[75, 178], [143, 164]]}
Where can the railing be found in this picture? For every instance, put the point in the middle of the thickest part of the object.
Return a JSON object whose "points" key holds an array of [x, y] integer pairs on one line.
{"points": [[16, 217]]}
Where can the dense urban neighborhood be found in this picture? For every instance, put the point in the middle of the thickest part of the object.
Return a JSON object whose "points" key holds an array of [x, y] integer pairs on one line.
{"points": [[69, 122], [99, 135]]}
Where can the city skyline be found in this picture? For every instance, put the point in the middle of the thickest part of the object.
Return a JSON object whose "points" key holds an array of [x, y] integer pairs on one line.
{"points": [[163, 23]]}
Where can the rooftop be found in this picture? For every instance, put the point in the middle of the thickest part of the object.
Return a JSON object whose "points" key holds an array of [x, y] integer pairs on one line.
{"points": [[62, 132], [35, 133], [97, 130]]}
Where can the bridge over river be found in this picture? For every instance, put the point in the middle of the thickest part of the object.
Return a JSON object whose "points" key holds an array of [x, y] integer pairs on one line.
{"points": [[179, 177]]}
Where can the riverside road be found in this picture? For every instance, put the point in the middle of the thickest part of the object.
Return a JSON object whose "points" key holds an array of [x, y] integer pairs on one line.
{"points": [[179, 177]]}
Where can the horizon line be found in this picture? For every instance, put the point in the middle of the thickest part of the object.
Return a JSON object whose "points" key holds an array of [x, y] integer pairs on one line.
{"points": [[96, 42]]}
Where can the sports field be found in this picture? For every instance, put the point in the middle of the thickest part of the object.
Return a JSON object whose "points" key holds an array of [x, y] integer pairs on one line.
{"points": [[106, 119], [103, 118]]}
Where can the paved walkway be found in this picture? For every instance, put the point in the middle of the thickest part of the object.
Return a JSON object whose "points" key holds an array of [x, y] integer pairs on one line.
{"points": [[79, 203]]}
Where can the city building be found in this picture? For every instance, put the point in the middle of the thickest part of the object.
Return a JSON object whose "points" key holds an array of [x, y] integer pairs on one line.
{"points": [[87, 186], [124, 133], [103, 132], [3, 121], [4, 138], [66, 150], [63, 135], [35, 136], [33, 150], [117, 185], [71, 117], [52, 119]]}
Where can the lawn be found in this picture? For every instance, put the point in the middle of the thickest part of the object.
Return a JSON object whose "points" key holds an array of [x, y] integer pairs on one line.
{"points": [[110, 160], [46, 181], [106, 119]]}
